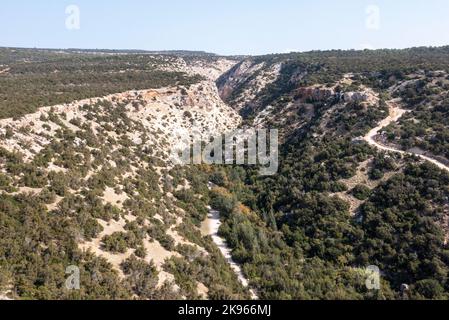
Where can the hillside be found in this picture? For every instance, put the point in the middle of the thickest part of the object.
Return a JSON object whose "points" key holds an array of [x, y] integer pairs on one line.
{"points": [[86, 177], [88, 184], [362, 180]]}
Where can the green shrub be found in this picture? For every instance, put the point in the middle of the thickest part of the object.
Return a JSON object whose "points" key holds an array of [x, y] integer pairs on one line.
{"points": [[361, 192]]}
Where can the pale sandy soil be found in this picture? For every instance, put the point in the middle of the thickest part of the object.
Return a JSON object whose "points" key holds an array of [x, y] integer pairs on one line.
{"points": [[155, 252], [157, 216], [26, 190], [210, 71], [54, 206], [360, 178], [202, 290], [395, 114], [7, 293], [158, 254], [55, 168], [179, 240], [371, 99], [111, 197], [210, 227], [185, 186], [371, 95], [354, 203], [162, 115], [4, 296], [346, 80], [95, 245]]}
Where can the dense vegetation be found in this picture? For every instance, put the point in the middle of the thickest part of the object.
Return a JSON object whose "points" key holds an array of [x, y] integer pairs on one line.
{"points": [[37, 78], [295, 234], [296, 241], [378, 69], [297, 238], [425, 127]]}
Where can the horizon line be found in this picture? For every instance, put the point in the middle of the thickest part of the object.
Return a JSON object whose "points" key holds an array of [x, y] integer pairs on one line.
{"points": [[168, 51]]}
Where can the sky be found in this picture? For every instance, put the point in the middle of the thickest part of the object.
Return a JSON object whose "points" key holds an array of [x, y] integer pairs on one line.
{"points": [[226, 27]]}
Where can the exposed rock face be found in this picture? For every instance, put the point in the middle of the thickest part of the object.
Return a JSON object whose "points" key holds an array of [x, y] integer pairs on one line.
{"points": [[163, 115], [242, 85], [314, 93], [237, 76], [272, 94], [170, 112], [209, 69], [355, 97]]}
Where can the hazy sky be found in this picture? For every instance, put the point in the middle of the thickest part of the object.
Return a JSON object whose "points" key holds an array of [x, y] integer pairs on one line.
{"points": [[227, 26]]}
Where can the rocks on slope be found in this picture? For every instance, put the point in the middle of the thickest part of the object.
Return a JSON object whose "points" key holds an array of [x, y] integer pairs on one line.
{"points": [[162, 116], [244, 82], [115, 135]]}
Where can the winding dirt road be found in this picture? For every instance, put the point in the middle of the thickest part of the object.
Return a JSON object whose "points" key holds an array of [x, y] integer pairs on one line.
{"points": [[210, 227], [395, 114]]}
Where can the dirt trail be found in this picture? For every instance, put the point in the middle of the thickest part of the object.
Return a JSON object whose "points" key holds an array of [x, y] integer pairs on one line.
{"points": [[210, 227], [395, 114]]}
